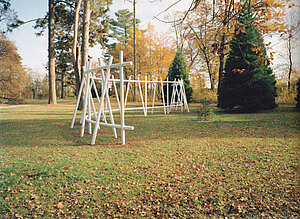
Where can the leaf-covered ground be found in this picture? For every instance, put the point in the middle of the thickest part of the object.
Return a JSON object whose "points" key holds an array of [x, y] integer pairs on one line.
{"points": [[236, 165]]}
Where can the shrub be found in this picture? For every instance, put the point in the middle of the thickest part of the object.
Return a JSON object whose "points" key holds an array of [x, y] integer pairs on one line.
{"points": [[204, 110], [40, 96], [285, 95], [204, 93]]}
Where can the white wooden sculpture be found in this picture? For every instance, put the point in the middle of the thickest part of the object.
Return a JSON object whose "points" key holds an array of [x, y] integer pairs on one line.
{"points": [[107, 81]]}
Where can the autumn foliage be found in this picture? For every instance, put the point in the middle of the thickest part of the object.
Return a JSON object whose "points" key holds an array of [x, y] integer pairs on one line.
{"points": [[13, 78], [154, 53]]}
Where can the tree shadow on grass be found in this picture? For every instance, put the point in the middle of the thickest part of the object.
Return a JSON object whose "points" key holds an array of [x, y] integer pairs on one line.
{"points": [[41, 132], [278, 123], [282, 109], [269, 124], [57, 133]]}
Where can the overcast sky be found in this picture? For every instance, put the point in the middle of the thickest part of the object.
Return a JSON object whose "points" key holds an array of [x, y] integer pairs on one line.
{"points": [[33, 49]]}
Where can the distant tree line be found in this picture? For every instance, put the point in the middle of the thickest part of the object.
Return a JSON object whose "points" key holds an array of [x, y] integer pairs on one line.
{"points": [[205, 35]]}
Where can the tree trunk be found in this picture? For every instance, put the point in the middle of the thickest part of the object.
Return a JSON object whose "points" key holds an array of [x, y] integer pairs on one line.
{"points": [[222, 61], [62, 86], [207, 61], [85, 36], [77, 69], [57, 88], [290, 62], [85, 42], [134, 54], [204, 50], [75, 51], [51, 52]]}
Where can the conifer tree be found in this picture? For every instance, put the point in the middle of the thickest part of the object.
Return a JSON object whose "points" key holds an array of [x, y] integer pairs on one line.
{"points": [[178, 70], [248, 81], [120, 28]]}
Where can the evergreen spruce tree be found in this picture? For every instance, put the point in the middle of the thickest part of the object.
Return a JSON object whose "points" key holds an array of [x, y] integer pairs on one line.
{"points": [[298, 94], [178, 70], [248, 81]]}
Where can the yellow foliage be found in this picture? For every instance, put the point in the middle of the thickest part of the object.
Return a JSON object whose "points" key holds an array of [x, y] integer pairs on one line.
{"points": [[154, 53]]}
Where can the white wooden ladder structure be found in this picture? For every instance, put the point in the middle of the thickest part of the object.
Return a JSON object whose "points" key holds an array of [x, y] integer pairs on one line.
{"points": [[178, 98]]}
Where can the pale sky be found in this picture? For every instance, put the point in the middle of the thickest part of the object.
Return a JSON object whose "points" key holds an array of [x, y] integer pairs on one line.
{"points": [[33, 49]]}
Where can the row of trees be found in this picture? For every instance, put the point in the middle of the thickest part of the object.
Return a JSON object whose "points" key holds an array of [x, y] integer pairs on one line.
{"points": [[203, 34], [154, 51], [207, 29], [64, 18], [219, 25], [89, 24], [73, 26]]}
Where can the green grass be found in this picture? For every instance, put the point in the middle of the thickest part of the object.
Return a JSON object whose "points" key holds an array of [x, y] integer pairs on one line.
{"points": [[237, 165]]}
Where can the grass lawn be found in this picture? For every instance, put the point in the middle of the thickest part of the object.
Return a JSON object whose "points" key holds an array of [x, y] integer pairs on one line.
{"points": [[240, 165]]}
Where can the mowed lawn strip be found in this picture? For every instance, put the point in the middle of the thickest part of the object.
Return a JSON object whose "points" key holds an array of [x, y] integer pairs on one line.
{"points": [[244, 165]]}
